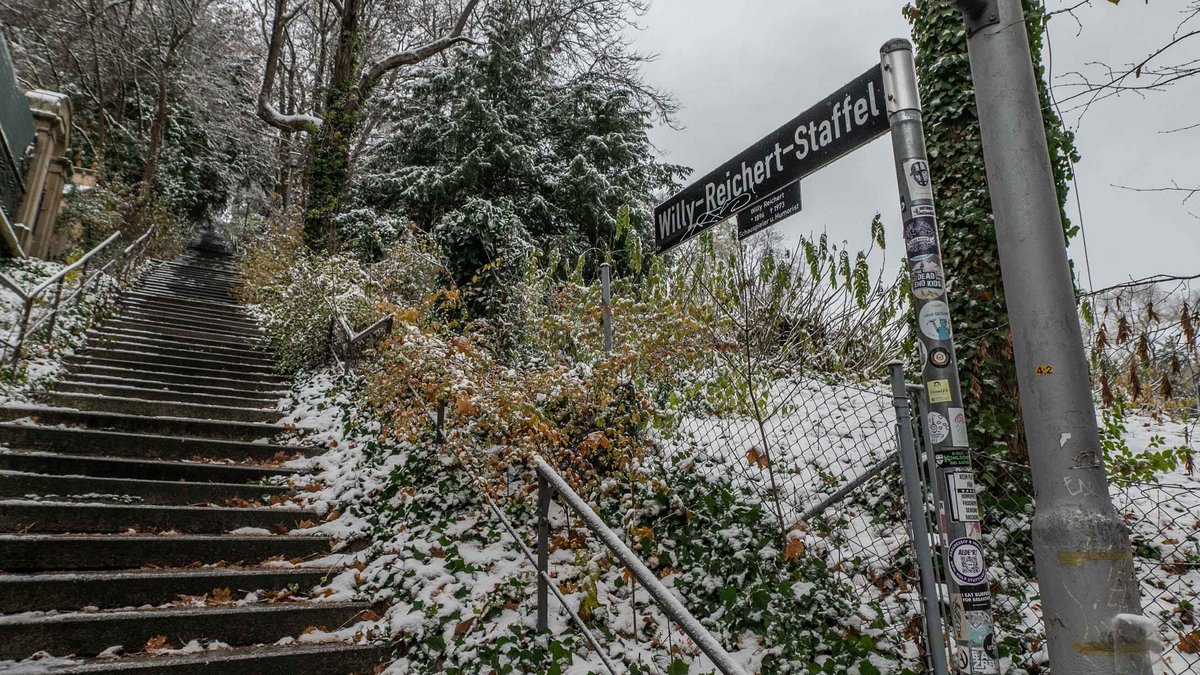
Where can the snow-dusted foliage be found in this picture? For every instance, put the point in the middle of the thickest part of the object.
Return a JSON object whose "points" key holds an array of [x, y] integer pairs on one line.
{"points": [[520, 127]]}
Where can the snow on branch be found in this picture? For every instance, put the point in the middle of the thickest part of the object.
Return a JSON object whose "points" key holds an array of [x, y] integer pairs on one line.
{"points": [[418, 54]]}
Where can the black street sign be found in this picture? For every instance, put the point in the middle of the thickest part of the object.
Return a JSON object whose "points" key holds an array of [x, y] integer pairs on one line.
{"points": [[769, 210], [848, 119]]}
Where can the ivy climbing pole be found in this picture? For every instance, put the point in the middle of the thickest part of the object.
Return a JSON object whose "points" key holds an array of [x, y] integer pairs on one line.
{"points": [[968, 234]]}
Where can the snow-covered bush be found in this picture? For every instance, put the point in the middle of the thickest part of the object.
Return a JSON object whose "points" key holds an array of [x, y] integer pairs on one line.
{"points": [[90, 215], [297, 294]]}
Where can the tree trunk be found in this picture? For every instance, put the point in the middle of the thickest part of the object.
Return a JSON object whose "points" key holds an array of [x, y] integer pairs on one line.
{"points": [[157, 129], [330, 173]]}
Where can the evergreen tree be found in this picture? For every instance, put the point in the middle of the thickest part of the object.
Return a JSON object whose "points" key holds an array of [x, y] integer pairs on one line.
{"points": [[562, 151], [982, 337]]}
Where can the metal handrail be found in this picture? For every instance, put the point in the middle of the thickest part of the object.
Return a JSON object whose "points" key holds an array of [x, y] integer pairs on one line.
{"points": [[124, 261], [549, 482], [382, 325]]}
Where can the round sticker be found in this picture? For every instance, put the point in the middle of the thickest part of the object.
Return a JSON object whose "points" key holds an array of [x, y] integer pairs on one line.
{"points": [[939, 427], [934, 320], [966, 562], [939, 358]]}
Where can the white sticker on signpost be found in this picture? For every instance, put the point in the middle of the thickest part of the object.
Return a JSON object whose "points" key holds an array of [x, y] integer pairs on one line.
{"points": [[965, 559], [964, 500], [934, 320], [939, 428], [958, 427], [920, 183]]}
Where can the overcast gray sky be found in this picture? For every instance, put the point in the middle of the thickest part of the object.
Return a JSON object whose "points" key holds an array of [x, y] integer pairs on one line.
{"points": [[741, 69]]}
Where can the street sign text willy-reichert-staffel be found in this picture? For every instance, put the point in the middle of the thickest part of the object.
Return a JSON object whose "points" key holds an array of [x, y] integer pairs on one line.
{"points": [[849, 118]]}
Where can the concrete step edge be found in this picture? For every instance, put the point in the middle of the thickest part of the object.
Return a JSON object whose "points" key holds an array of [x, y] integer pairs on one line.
{"points": [[266, 403]]}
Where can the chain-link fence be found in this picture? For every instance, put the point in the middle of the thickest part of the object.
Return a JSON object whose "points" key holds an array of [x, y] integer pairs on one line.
{"points": [[1163, 516], [820, 455]]}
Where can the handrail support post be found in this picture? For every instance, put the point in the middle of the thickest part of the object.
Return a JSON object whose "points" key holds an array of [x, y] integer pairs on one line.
{"points": [[543, 554]]}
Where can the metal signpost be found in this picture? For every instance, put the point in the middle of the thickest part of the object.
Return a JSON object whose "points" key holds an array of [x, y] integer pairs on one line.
{"points": [[945, 421], [1090, 596], [760, 186]]}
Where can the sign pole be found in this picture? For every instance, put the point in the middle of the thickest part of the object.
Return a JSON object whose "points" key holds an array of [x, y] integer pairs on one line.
{"points": [[1090, 597], [953, 478]]}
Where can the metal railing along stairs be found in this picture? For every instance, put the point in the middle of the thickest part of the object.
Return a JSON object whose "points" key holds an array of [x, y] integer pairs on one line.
{"points": [[91, 266]]}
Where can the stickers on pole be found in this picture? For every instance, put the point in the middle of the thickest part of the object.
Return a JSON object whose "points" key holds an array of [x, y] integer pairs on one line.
{"points": [[953, 458], [926, 278], [920, 183], [920, 236], [934, 320], [958, 427], [964, 499], [965, 559], [939, 391], [938, 357], [938, 427]]}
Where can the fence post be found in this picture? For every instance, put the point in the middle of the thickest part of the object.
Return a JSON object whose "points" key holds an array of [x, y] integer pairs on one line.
{"points": [[25, 316], [54, 306], [914, 497], [606, 306], [543, 554]]}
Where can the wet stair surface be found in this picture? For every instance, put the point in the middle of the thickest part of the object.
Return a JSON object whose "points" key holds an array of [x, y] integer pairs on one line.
{"points": [[143, 507]]}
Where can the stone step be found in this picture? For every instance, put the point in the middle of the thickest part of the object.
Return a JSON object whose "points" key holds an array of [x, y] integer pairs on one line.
{"points": [[197, 361], [253, 358], [192, 322], [210, 343], [112, 590], [113, 337], [236, 399], [134, 361], [125, 468], [207, 278], [179, 428], [209, 317], [167, 329], [96, 518], [194, 303], [187, 291], [89, 633], [157, 408], [187, 284], [189, 265], [146, 379], [314, 659], [47, 552], [162, 305], [142, 445], [84, 371], [60, 488], [214, 278], [167, 307]]}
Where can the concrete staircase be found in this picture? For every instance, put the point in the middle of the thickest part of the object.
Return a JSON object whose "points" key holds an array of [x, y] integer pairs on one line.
{"points": [[143, 503]]}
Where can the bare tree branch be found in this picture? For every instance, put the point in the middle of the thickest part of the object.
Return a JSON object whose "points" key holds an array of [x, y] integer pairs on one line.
{"points": [[266, 111]]}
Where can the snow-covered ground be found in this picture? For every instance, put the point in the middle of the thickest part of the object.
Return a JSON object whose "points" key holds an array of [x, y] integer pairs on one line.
{"points": [[457, 581]]}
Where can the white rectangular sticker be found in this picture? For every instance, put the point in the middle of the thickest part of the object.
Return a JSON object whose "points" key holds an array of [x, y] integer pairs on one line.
{"points": [[964, 501], [920, 183], [958, 427]]}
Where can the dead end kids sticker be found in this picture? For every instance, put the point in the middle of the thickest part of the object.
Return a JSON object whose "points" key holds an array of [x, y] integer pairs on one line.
{"points": [[926, 277]]}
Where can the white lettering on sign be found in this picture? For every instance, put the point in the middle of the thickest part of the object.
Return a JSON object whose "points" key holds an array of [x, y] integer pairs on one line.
{"points": [[846, 120]]}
